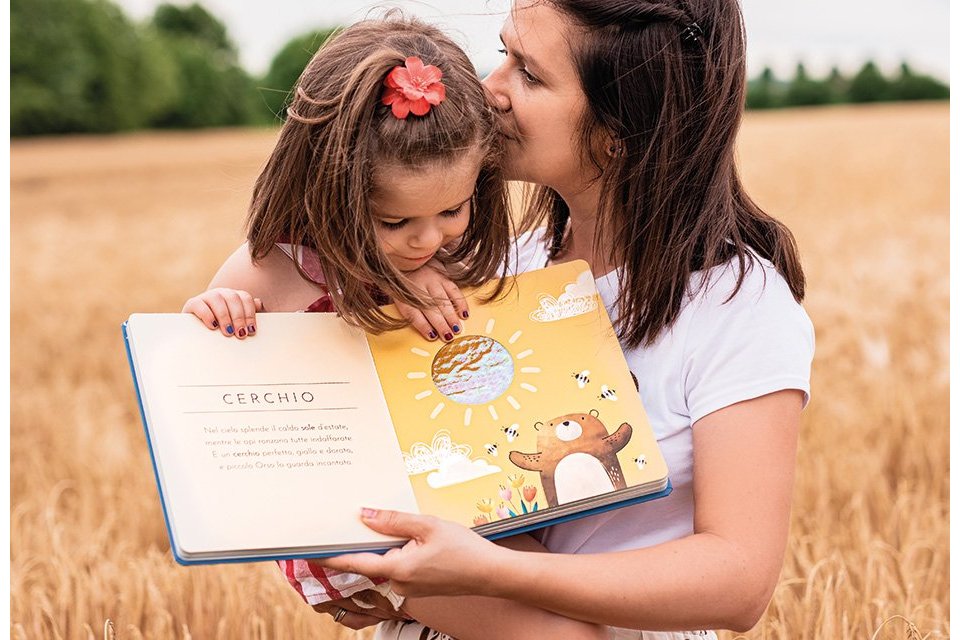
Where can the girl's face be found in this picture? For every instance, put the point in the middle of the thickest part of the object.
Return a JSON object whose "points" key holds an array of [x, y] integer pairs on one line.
{"points": [[538, 91], [419, 210]]}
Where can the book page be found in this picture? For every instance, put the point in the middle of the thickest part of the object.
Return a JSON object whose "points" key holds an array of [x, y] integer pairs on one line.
{"points": [[275, 441], [531, 406]]}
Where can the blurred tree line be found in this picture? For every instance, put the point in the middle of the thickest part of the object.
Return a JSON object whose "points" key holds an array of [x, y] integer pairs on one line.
{"points": [[867, 85], [83, 66]]}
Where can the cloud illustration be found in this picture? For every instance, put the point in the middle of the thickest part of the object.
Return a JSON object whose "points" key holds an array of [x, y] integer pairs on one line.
{"points": [[448, 462], [577, 298], [458, 469]]}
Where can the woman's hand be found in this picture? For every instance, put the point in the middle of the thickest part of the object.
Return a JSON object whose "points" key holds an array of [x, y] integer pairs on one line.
{"points": [[441, 558], [375, 609], [230, 310], [444, 320]]}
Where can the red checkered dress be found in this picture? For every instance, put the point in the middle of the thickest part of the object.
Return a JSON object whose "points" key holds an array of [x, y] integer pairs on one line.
{"points": [[314, 583]]}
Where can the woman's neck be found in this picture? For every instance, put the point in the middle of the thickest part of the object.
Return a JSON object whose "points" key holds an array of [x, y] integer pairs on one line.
{"points": [[580, 243]]}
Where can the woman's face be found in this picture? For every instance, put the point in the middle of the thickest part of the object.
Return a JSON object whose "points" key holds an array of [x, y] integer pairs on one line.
{"points": [[538, 91]]}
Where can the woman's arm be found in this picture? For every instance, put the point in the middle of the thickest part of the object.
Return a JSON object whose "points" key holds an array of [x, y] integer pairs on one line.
{"points": [[722, 576]]}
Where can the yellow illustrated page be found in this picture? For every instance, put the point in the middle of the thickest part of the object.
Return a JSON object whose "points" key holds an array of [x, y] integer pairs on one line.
{"points": [[530, 406]]}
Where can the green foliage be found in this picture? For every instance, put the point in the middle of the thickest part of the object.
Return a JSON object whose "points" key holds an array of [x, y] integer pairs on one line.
{"points": [[212, 88], [910, 86], [764, 92], [193, 22], [805, 91], [869, 85], [79, 65], [286, 67]]}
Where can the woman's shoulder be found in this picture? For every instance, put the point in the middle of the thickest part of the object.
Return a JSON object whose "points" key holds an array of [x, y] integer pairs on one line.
{"points": [[748, 283]]}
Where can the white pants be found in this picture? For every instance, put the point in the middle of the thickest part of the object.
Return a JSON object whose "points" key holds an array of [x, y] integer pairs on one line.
{"points": [[395, 630]]}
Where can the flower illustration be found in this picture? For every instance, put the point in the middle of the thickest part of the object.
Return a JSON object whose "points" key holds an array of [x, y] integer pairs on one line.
{"points": [[479, 520], [529, 493], [485, 505], [516, 480], [413, 87], [503, 512], [505, 493]]}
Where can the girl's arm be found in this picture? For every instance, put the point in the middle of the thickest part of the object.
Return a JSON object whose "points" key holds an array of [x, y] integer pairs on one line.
{"points": [[274, 280], [722, 576]]}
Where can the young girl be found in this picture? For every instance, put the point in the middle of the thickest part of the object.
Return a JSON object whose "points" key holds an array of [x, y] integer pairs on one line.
{"points": [[384, 173], [385, 176]]}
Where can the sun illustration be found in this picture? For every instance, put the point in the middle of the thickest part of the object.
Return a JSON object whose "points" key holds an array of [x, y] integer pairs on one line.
{"points": [[476, 370]]}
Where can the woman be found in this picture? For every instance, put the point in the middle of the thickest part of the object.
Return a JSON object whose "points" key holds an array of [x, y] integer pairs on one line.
{"points": [[625, 114]]}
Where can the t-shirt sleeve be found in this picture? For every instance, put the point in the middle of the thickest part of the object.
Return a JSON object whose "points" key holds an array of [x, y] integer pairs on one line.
{"points": [[528, 252], [758, 342]]}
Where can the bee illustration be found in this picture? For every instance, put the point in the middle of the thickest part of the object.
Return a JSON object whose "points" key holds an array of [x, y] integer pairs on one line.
{"points": [[641, 461], [491, 449], [512, 432], [582, 378], [606, 393]]}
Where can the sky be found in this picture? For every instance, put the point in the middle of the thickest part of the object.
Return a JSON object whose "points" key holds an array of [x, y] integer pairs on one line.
{"points": [[780, 33]]}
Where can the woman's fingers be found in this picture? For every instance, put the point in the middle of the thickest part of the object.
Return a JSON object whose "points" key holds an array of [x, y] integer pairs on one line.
{"points": [[352, 617]]}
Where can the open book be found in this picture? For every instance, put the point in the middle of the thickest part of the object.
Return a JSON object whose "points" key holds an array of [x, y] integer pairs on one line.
{"points": [[268, 447]]}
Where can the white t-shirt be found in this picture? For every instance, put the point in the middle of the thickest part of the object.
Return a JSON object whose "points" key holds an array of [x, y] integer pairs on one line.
{"points": [[715, 354]]}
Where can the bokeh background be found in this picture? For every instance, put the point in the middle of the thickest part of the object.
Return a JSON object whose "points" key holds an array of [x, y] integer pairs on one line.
{"points": [[138, 131]]}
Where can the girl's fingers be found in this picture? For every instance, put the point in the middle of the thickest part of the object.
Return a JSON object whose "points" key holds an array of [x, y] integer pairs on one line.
{"points": [[446, 308], [417, 320], [440, 324], [460, 306], [238, 315], [199, 308], [249, 326], [216, 302]]}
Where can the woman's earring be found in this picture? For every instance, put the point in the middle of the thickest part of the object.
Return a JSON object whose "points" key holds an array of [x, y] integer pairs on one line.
{"points": [[615, 150]]}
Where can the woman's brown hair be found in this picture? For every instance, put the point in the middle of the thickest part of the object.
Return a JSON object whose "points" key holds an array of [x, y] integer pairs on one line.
{"points": [[315, 189], [666, 82]]}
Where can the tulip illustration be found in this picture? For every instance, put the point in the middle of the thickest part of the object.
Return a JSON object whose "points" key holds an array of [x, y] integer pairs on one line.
{"points": [[503, 512], [485, 505], [507, 494], [479, 520], [516, 480], [529, 493]]}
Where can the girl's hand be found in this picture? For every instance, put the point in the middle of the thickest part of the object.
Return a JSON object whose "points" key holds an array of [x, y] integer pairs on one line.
{"points": [[446, 319], [441, 558], [230, 310]]}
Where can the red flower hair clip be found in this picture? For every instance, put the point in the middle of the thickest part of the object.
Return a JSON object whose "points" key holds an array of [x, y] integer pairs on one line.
{"points": [[413, 87]]}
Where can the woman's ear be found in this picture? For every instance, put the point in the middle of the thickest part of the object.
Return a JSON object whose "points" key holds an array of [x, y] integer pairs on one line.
{"points": [[614, 147]]}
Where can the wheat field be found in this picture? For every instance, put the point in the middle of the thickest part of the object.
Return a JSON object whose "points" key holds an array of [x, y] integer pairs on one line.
{"points": [[105, 226]]}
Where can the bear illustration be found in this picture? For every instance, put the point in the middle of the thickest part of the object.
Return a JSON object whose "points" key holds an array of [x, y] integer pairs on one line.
{"points": [[577, 458]]}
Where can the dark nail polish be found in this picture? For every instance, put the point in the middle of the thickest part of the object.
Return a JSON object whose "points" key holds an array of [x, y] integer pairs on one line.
{"points": [[448, 336], [251, 329], [230, 329], [465, 314], [242, 332], [215, 324], [432, 335], [456, 328]]}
